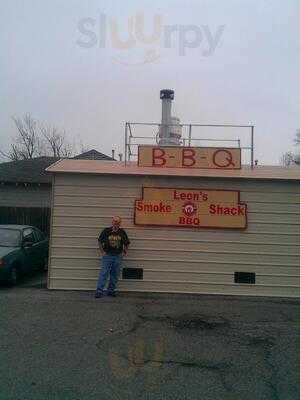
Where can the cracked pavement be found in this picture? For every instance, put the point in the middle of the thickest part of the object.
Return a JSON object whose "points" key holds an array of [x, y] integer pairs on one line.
{"points": [[68, 345]]}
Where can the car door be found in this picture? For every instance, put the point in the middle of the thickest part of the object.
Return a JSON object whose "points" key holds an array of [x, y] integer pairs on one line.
{"points": [[41, 247], [30, 250]]}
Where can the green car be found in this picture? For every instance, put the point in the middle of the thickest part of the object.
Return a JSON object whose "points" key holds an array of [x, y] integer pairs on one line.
{"points": [[23, 249]]}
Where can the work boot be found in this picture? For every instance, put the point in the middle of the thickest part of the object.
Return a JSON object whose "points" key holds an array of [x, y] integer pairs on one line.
{"points": [[98, 294]]}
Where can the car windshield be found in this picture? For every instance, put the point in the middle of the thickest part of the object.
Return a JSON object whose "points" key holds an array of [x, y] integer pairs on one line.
{"points": [[9, 237]]}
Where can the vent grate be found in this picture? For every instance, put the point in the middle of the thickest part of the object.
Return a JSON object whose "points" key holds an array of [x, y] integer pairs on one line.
{"points": [[244, 277], [132, 273]]}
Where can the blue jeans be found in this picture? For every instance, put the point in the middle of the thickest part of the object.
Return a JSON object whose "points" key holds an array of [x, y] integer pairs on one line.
{"points": [[111, 265]]}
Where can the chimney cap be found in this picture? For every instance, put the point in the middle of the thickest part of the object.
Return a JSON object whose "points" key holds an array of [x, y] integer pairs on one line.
{"points": [[167, 94]]}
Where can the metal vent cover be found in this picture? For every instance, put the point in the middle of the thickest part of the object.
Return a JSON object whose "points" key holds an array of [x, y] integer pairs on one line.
{"points": [[132, 273], [244, 277]]}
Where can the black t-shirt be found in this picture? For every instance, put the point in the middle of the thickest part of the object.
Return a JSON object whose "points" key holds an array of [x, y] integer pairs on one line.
{"points": [[113, 242]]}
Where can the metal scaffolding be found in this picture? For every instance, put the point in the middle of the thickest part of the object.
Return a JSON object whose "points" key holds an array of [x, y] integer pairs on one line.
{"points": [[189, 137]]}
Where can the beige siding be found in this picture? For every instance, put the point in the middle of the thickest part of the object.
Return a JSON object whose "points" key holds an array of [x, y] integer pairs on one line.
{"points": [[177, 260], [25, 196]]}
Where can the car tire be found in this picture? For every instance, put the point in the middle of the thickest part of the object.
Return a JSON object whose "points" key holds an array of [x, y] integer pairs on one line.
{"points": [[45, 265], [14, 276]]}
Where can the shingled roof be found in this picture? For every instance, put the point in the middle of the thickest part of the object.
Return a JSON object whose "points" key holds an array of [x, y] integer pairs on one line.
{"points": [[93, 155], [33, 170], [26, 171]]}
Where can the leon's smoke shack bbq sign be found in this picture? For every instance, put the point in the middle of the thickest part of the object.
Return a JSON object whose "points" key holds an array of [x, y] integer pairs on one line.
{"points": [[203, 208], [189, 157], [191, 208]]}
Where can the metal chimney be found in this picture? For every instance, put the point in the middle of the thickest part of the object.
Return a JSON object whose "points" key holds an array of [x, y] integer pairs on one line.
{"points": [[166, 96], [170, 131]]}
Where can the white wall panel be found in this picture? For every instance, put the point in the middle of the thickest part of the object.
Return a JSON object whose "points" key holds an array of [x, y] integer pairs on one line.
{"points": [[179, 259]]}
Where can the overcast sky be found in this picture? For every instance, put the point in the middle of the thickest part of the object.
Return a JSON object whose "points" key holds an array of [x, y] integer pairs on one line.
{"points": [[74, 64]]}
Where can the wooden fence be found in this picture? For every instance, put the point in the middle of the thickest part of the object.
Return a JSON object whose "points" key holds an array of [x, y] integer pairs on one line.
{"points": [[34, 216]]}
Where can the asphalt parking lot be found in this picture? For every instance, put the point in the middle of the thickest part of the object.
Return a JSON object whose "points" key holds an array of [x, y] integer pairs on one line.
{"points": [[63, 345]]}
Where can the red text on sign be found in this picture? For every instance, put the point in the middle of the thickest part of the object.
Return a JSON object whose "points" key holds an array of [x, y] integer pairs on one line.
{"points": [[188, 157], [189, 221], [196, 196], [220, 210], [149, 207], [158, 159]]}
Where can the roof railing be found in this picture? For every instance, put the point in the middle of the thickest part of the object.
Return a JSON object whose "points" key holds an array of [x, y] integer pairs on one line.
{"points": [[189, 137]]}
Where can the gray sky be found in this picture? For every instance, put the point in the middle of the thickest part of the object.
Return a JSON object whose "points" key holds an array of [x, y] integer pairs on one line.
{"points": [[247, 74]]}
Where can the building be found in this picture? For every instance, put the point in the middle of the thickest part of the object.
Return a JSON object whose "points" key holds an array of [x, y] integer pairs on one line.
{"points": [[259, 255], [25, 189]]}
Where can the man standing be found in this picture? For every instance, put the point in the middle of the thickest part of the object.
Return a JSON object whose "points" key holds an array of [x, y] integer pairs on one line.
{"points": [[113, 243]]}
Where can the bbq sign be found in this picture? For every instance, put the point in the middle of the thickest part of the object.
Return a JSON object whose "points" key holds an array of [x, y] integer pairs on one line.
{"points": [[200, 208], [189, 157]]}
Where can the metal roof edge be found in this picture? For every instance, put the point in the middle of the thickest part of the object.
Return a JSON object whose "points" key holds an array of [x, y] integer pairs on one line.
{"points": [[103, 167], [53, 165]]}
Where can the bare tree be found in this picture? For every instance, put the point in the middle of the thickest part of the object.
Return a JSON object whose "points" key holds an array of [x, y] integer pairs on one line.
{"points": [[82, 147], [287, 159], [12, 154], [26, 143], [56, 141], [297, 137], [34, 139], [290, 157]]}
